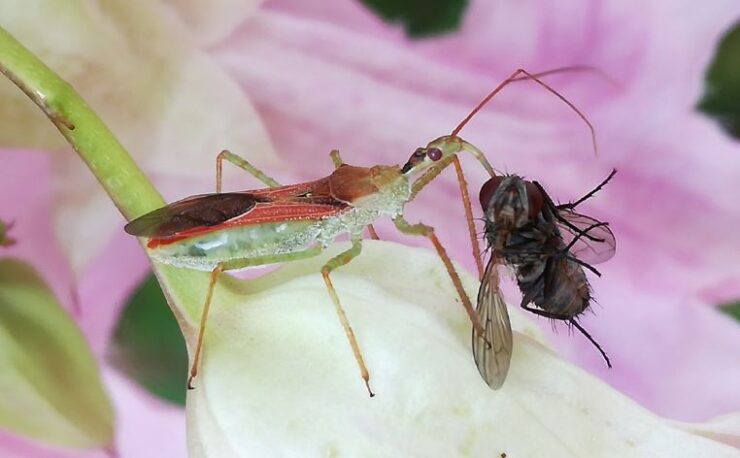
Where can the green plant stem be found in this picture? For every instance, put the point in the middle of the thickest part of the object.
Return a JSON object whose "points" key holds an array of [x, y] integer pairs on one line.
{"points": [[111, 164]]}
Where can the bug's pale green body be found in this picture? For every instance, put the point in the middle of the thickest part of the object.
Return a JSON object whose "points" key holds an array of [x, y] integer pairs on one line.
{"points": [[269, 242]]}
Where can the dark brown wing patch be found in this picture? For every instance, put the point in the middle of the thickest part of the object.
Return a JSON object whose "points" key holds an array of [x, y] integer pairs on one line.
{"points": [[197, 211]]}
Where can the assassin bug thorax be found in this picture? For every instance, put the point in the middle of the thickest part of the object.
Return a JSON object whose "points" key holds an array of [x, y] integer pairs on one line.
{"points": [[235, 230]]}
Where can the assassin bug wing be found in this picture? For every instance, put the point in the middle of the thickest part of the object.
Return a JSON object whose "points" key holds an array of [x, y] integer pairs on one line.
{"points": [[594, 241], [198, 211], [492, 352]]}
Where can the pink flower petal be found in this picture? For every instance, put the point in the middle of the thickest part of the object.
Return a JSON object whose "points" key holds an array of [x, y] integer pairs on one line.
{"points": [[147, 428], [106, 286], [26, 201]]}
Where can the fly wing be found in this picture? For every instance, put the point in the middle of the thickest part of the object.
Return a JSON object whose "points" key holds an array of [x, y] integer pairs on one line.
{"points": [[595, 241], [198, 211], [492, 352]]}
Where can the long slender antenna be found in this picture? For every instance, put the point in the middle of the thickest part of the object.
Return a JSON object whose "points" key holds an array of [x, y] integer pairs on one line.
{"points": [[575, 69], [534, 77], [596, 344]]}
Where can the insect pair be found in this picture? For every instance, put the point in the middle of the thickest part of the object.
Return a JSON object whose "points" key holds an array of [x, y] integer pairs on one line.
{"points": [[235, 230]]}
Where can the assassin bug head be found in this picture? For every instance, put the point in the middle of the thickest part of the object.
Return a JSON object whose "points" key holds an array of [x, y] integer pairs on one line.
{"points": [[440, 152], [510, 201], [421, 159]]}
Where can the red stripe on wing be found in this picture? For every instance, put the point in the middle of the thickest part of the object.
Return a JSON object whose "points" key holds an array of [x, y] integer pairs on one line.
{"points": [[300, 209], [318, 188]]}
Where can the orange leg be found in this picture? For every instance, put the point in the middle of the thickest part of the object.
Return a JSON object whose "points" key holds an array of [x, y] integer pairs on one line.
{"points": [[428, 232], [463, 185], [203, 320], [338, 261]]}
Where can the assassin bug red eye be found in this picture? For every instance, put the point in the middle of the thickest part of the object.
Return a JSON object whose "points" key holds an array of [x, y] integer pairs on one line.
{"points": [[434, 154]]}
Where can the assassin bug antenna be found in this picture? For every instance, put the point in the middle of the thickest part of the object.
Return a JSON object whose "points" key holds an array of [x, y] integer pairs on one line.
{"points": [[514, 77], [536, 78]]}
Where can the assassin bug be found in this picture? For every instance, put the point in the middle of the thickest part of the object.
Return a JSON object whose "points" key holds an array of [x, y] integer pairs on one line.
{"points": [[235, 230]]}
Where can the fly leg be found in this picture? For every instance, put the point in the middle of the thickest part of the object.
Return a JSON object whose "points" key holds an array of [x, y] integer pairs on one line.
{"points": [[590, 194], [427, 231], [569, 207], [338, 261], [242, 164], [232, 265], [336, 159], [575, 323], [582, 233]]}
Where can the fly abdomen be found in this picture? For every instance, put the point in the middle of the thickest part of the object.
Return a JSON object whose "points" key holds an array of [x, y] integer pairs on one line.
{"points": [[531, 281], [566, 291]]}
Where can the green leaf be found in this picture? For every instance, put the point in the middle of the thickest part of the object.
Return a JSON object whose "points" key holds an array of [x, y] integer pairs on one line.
{"points": [[149, 346], [732, 309], [721, 98], [421, 17], [49, 380]]}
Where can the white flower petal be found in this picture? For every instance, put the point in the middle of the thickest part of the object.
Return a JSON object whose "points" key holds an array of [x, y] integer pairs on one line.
{"points": [[279, 377], [723, 429]]}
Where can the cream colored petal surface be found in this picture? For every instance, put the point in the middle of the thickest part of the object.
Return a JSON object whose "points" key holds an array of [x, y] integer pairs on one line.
{"points": [[279, 377]]}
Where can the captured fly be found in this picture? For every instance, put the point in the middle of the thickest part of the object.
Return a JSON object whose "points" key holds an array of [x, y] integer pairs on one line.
{"points": [[548, 246]]}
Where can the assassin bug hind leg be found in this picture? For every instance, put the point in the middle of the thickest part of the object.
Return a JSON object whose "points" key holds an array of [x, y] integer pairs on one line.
{"points": [[242, 164], [215, 274], [335, 262], [202, 329]]}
